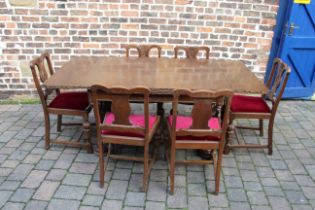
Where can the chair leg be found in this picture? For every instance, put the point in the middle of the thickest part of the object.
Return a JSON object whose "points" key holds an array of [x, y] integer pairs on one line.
{"points": [[59, 122], [261, 127], [218, 171], [270, 137], [103, 163], [172, 168], [47, 131], [145, 167], [87, 132], [229, 132]]}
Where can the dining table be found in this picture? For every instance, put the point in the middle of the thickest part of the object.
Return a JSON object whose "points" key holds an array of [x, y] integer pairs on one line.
{"points": [[161, 75]]}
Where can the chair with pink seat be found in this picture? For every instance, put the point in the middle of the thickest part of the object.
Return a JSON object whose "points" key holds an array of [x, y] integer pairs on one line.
{"points": [[64, 103], [256, 107], [201, 130], [122, 127]]}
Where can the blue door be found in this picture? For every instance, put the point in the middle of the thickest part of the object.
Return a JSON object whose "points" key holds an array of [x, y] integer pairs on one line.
{"points": [[297, 49]]}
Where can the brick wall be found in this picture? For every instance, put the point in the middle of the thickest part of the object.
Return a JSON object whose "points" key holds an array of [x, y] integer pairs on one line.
{"points": [[233, 29]]}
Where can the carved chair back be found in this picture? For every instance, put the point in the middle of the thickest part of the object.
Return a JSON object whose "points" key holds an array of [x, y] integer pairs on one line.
{"points": [[143, 50], [277, 82], [204, 105], [42, 69], [120, 107], [192, 52]]}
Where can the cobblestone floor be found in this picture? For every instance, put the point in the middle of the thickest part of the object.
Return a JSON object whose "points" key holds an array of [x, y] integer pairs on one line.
{"points": [[67, 178]]}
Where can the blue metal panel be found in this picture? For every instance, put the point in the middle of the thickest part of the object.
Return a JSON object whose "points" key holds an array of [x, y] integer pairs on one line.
{"points": [[297, 49]]}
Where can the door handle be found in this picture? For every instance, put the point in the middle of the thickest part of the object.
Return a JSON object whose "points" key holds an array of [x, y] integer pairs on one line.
{"points": [[291, 28]]}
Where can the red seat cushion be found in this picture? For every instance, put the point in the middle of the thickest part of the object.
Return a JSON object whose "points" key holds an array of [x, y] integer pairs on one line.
{"points": [[185, 122], [70, 100], [135, 120], [241, 103]]}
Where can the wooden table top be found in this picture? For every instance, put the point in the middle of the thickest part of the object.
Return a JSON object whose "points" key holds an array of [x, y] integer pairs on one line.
{"points": [[161, 75]]}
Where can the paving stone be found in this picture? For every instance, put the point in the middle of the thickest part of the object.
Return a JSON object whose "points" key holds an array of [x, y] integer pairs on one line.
{"points": [[219, 200], [309, 192], [132, 208], [257, 198], [195, 177], [135, 199], [13, 206], [302, 207], [197, 190], [279, 203], [32, 159], [112, 205], [64, 161], [252, 186], [34, 179], [236, 195], [95, 189], [9, 185], [22, 195], [77, 179], [121, 174], [151, 205], [56, 174], [233, 182], [135, 183], [88, 208], [178, 199], [70, 192], [84, 168], [4, 197], [239, 205], [159, 175], [92, 200], [284, 175], [36, 205], [200, 203], [157, 191], [117, 189], [296, 197], [261, 207], [20, 172], [63, 204], [46, 190]]}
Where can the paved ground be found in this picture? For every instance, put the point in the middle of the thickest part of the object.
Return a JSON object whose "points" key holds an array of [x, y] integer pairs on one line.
{"points": [[64, 178]]}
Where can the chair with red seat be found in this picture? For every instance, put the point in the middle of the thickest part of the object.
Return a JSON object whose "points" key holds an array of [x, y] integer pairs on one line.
{"points": [[64, 103], [253, 107], [122, 127], [201, 130]]}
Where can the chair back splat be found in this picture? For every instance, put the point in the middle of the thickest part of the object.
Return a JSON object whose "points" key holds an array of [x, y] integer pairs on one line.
{"points": [[143, 50], [41, 74], [192, 52], [277, 81]]}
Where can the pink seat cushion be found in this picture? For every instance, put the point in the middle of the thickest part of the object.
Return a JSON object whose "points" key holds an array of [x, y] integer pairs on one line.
{"points": [[135, 120], [70, 100], [185, 122], [241, 103]]}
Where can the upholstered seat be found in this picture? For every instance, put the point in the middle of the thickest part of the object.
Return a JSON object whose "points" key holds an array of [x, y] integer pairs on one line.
{"points": [[70, 100], [185, 122], [242, 103], [135, 120]]}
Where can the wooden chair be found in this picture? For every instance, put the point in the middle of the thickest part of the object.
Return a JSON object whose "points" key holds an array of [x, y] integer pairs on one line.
{"points": [[123, 128], [64, 103], [200, 130], [251, 107], [143, 50], [192, 52]]}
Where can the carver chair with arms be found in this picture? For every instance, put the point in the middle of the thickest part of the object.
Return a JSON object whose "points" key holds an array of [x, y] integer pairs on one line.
{"points": [[253, 107], [200, 131], [64, 103], [122, 127]]}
